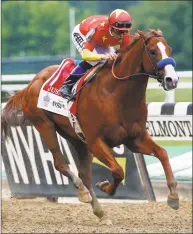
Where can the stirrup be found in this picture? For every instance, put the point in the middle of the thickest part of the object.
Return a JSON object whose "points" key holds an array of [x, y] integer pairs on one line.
{"points": [[71, 98], [64, 92]]}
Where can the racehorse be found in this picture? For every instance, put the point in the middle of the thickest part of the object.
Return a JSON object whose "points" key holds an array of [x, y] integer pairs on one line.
{"points": [[111, 110]]}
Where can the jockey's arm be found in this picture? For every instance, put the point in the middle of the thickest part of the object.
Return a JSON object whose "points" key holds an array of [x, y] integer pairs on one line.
{"points": [[88, 55]]}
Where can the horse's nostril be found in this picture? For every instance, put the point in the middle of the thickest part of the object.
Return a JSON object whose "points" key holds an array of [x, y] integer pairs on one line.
{"points": [[168, 79]]}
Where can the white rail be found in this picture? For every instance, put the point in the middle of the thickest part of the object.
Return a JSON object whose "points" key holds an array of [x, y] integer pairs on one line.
{"points": [[29, 77]]}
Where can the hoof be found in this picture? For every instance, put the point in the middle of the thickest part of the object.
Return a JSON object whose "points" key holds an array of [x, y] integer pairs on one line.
{"points": [[103, 184], [112, 193], [174, 204], [105, 221], [84, 196]]}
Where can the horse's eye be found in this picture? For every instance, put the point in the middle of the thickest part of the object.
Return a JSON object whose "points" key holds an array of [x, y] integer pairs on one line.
{"points": [[152, 52]]}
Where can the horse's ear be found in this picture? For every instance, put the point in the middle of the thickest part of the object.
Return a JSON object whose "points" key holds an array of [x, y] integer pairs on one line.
{"points": [[141, 33], [135, 36], [159, 32]]}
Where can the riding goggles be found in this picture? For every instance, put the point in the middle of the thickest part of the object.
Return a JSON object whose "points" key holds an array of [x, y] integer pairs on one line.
{"points": [[122, 25]]}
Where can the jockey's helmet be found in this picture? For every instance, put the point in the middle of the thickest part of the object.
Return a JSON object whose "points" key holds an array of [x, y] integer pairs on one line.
{"points": [[120, 20]]}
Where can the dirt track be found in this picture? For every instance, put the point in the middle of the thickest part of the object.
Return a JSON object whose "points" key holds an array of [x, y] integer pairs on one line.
{"points": [[40, 216]]}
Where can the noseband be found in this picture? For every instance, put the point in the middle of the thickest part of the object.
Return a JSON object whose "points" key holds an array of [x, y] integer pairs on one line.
{"points": [[155, 65]]}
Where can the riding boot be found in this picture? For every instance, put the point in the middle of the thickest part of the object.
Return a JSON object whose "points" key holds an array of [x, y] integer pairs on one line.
{"points": [[77, 72]]}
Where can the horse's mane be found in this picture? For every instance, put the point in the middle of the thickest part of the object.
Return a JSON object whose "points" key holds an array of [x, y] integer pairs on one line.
{"points": [[141, 34], [135, 38]]}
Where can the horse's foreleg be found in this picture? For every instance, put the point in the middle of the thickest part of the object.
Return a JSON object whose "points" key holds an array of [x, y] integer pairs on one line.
{"points": [[146, 145], [103, 153], [85, 173], [48, 132], [98, 211]]}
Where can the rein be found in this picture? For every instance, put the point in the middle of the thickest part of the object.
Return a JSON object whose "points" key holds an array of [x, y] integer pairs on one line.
{"points": [[155, 69]]}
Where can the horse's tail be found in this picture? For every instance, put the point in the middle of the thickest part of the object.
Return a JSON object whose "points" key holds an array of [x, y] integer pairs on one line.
{"points": [[12, 114]]}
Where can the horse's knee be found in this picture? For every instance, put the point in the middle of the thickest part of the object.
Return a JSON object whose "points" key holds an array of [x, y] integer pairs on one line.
{"points": [[117, 172]]}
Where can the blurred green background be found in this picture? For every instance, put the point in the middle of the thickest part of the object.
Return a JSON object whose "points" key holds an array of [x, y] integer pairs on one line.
{"points": [[41, 28]]}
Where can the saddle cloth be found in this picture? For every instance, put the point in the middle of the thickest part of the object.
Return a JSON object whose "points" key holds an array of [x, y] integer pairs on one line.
{"points": [[50, 99]]}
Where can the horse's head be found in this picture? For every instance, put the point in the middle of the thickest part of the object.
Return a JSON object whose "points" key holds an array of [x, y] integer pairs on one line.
{"points": [[157, 58]]}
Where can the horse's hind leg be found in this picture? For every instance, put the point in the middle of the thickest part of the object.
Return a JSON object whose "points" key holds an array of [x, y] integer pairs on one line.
{"points": [[47, 130], [146, 145]]}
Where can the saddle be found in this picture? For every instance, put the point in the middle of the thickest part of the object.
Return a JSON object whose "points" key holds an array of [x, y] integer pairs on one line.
{"points": [[85, 79]]}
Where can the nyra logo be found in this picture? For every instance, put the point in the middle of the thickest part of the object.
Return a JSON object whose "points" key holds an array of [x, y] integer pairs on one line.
{"points": [[30, 162]]}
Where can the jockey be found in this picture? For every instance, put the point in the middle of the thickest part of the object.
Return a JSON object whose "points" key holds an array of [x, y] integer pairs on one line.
{"points": [[94, 38]]}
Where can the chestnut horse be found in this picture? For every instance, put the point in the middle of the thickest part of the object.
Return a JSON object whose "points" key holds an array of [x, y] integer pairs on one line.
{"points": [[111, 111]]}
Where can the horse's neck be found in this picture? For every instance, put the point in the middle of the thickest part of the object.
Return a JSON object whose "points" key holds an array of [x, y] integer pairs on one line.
{"points": [[130, 92], [131, 61]]}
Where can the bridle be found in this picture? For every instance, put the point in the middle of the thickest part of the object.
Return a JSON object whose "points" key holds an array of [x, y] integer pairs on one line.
{"points": [[155, 65]]}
